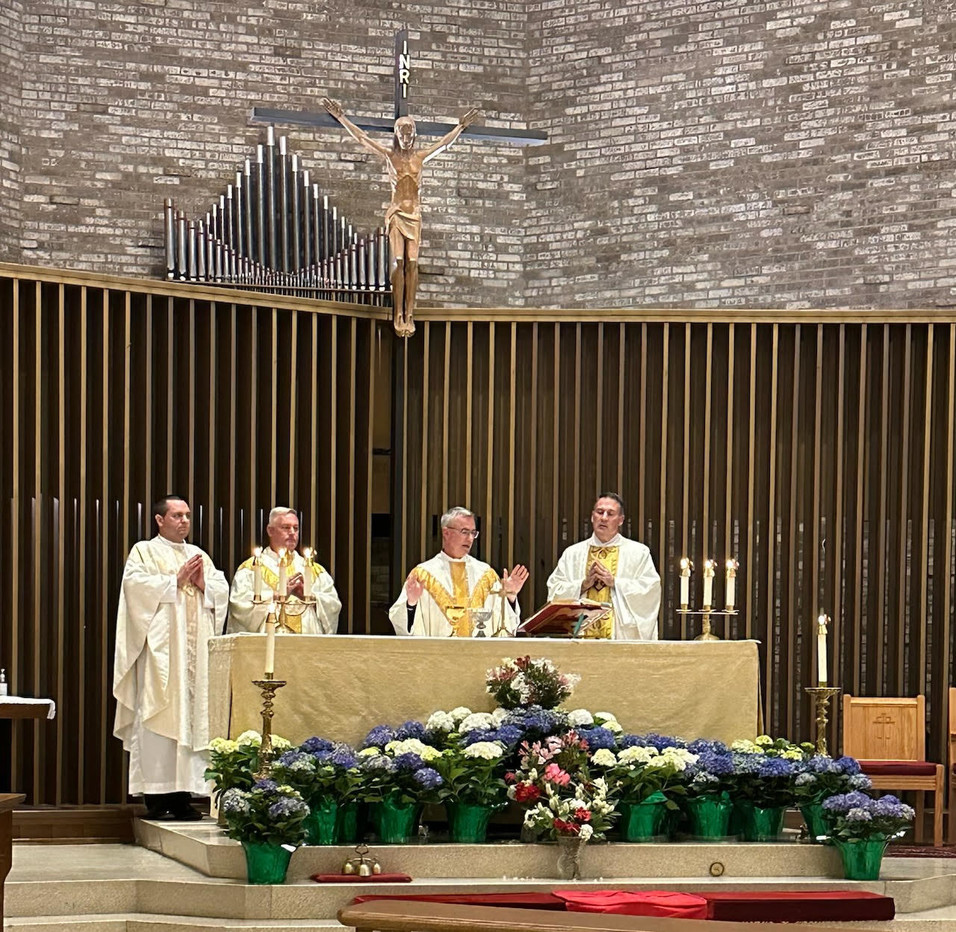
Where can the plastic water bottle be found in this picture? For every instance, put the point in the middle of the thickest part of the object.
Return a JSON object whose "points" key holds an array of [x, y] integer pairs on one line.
{"points": [[3, 682]]}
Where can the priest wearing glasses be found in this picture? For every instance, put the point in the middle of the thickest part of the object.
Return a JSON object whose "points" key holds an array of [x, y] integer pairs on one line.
{"points": [[608, 567], [455, 595]]}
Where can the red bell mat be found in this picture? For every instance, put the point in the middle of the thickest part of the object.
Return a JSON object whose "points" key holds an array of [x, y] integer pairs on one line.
{"points": [[664, 903], [355, 878]]}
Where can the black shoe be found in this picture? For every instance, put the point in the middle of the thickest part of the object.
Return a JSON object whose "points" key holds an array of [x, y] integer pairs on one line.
{"points": [[161, 815], [187, 815]]}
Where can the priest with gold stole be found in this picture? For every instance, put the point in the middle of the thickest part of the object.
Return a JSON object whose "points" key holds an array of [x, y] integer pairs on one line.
{"points": [[173, 600], [611, 568], [455, 595], [312, 605]]}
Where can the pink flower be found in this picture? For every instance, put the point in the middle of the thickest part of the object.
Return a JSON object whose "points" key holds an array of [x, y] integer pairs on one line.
{"points": [[554, 774]]}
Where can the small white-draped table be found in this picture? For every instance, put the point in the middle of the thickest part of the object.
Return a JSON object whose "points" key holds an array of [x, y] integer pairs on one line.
{"points": [[341, 686], [16, 708]]}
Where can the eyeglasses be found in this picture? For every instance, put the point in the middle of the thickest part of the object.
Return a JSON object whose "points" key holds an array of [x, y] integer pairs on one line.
{"points": [[465, 531]]}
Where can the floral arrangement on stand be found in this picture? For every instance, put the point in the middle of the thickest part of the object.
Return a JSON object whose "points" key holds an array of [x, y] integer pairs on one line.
{"points": [[527, 682]]}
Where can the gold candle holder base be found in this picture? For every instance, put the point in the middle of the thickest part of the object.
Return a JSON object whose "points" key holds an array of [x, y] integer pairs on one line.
{"points": [[268, 688], [706, 633], [821, 696]]}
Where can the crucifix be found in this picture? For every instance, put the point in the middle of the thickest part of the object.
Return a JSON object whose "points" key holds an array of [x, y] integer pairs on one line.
{"points": [[404, 162]]}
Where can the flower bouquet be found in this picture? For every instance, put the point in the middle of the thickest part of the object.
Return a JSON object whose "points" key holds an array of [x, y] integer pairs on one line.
{"points": [[397, 779], [818, 777], [861, 828], [325, 774], [762, 789], [268, 820], [707, 783], [233, 763], [524, 682], [473, 787], [646, 781]]}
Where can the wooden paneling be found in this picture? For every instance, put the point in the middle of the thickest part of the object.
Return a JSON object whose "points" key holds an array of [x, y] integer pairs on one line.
{"points": [[815, 447]]}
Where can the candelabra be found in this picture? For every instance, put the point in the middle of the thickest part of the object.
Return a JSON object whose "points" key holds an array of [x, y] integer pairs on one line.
{"points": [[708, 610]]}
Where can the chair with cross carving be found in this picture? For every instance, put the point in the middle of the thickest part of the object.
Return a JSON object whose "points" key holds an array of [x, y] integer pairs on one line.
{"points": [[888, 737]]}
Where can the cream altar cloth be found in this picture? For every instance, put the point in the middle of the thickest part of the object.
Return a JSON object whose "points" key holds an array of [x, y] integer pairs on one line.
{"points": [[340, 686]]}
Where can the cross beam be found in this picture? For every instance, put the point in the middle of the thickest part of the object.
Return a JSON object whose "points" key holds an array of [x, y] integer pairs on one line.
{"points": [[501, 135]]}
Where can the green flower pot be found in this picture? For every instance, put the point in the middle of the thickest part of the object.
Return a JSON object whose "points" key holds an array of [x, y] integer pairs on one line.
{"points": [[397, 822], [817, 822], [643, 821], [758, 823], [709, 815], [346, 824], [468, 823], [266, 863], [321, 822], [862, 857]]}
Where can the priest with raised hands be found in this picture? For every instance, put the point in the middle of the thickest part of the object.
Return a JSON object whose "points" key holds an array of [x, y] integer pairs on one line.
{"points": [[608, 567], [172, 601], [311, 605], [455, 595]]}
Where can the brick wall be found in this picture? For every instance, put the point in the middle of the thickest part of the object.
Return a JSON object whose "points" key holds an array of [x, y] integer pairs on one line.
{"points": [[11, 40], [746, 153], [743, 153]]}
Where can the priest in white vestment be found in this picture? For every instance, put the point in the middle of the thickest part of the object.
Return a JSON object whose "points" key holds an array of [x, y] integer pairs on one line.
{"points": [[455, 595], [608, 567], [173, 600], [312, 605]]}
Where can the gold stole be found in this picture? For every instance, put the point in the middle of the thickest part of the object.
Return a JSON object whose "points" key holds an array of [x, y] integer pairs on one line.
{"points": [[607, 557], [455, 606], [291, 615]]}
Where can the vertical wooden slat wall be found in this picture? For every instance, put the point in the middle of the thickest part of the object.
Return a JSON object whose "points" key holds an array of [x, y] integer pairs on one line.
{"points": [[817, 449]]}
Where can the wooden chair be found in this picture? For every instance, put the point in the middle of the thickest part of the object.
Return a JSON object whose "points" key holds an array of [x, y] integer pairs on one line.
{"points": [[888, 737]]}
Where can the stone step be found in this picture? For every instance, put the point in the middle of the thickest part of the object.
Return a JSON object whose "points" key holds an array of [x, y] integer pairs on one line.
{"points": [[144, 922]]}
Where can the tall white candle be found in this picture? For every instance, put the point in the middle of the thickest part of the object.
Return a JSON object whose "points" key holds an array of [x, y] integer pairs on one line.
{"points": [[257, 574], [685, 570], [282, 587], [270, 645], [307, 574], [822, 650], [708, 584], [731, 585]]}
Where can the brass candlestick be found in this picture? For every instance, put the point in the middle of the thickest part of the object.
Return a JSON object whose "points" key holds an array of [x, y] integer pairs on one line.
{"points": [[706, 634], [821, 696], [268, 687]]}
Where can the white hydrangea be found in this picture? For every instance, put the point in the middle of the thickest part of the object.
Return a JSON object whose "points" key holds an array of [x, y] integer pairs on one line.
{"points": [[499, 715], [613, 725], [250, 737], [603, 758], [223, 746], [586, 832], [636, 755], [580, 717], [280, 743], [748, 747], [440, 721], [577, 804], [486, 750], [475, 720], [459, 713], [370, 752], [413, 746]]}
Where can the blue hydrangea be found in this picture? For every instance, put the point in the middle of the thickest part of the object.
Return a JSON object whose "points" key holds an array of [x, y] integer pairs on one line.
{"points": [[410, 730], [654, 740], [408, 761], [719, 765], [379, 762], [378, 737], [706, 746], [428, 778], [312, 745], [266, 786], [536, 722], [292, 757], [479, 734], [849, 765], [844, 802], [343, 756], [285, 807], [775, 768], [598, 738], [746, 763]]}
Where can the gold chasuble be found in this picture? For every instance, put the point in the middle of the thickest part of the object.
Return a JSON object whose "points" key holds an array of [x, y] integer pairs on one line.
{"points": [[607, 557], [456, 606]]}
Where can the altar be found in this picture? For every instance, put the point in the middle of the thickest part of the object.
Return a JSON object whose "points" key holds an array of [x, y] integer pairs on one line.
{"points": [[341, 686]]}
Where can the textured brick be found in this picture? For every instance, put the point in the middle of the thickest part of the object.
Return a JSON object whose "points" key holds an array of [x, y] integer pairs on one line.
{"points": [[731, 152]]}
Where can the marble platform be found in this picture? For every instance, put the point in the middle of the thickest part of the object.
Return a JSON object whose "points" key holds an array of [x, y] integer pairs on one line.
{"points": [[188, 875]]}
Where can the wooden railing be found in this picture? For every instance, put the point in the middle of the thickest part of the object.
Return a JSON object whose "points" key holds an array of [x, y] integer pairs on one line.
{"points": [[817, 447]]}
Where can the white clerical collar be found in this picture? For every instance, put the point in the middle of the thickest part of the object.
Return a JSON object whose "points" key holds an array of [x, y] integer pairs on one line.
{"points": [[615, 541], [451, 559], [171, 543]]}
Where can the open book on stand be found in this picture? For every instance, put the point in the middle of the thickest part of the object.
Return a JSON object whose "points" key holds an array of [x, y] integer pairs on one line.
{"points": [[564, 618]]}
